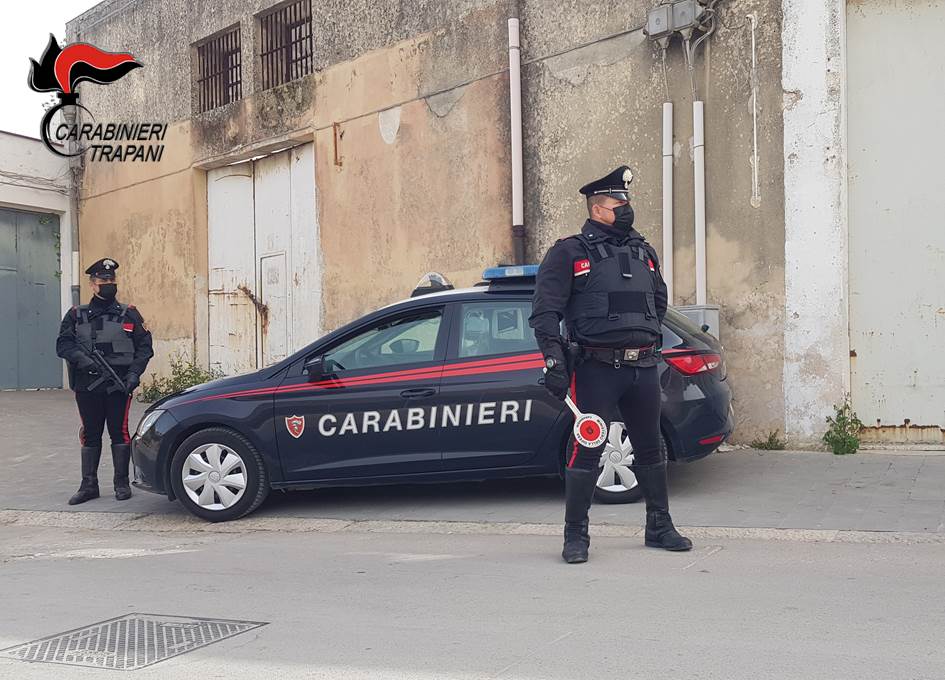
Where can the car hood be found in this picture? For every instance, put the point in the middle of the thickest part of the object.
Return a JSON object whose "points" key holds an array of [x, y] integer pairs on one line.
{"points": [[212, 387]]}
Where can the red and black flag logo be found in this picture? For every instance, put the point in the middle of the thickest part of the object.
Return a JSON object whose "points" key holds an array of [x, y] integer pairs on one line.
{"points": [[61, 69]]}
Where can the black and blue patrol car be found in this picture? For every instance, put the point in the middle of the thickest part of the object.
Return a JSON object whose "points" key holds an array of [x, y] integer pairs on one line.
{"points": [[443, 386]]}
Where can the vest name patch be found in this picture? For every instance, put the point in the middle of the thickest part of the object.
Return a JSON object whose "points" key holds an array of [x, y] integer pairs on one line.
{"points": [[582, 267]]}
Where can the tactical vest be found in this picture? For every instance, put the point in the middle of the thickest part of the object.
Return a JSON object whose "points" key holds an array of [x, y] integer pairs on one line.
{"points": [[619, 294], [106, 332]]}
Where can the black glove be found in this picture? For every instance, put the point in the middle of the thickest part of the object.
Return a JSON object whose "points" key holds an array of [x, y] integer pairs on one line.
{"points": [[132, 380], [84, 363], [557, 375]]}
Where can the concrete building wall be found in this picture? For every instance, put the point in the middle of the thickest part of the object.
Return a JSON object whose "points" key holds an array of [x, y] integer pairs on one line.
{"points": [[33, 179], [151, 218], [413, 100], [816, 336], [590, 109]]}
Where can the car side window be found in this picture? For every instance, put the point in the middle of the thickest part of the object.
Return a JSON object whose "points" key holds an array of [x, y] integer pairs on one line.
{"points": [[498, 327], [405, 340]]}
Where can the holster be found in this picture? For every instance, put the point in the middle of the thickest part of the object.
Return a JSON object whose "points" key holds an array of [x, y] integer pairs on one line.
{"points": [[572, 357]]}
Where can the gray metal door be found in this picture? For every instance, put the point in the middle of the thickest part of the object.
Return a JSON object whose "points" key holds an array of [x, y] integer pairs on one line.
{"points": [[29, 300], [896, 67]]}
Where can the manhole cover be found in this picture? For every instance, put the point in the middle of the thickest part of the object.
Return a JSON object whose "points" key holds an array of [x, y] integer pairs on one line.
{"points": [[129, 642]]}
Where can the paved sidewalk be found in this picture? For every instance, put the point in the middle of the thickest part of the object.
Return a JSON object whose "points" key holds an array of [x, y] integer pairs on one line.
{"points": [[778, 489]]}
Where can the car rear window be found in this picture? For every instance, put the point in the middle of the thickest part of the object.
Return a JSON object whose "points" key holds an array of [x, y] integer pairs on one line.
{"points": [[495, 327]]}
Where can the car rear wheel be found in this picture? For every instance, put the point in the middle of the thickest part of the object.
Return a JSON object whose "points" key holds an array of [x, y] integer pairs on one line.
{"points": [[616, 482], [219, 475]]}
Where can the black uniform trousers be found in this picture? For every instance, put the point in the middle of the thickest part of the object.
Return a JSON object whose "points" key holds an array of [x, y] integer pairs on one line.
{"points": [[629, 394], [98, 408]]}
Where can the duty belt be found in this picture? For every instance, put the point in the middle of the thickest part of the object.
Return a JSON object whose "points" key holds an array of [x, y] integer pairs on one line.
{"points": [[620, 355]]}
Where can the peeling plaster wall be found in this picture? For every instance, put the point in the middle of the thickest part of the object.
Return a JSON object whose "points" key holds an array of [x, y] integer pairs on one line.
{"points": [[592, 108], [423, 181], [147, 217], [419, 94], [816, 340]]}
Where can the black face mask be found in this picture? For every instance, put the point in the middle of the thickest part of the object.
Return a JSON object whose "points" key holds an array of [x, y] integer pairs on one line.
{"points": [[107, 291], [623, 217]]}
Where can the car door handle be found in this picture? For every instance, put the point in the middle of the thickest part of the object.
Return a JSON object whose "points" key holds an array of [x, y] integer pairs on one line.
{"points": [[417, 392]]}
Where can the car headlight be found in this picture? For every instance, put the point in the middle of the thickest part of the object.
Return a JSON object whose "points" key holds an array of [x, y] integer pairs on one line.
{"points": [[148, 422]]}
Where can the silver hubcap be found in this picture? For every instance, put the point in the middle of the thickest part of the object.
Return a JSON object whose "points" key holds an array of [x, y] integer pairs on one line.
{"points": [[615, 461], [214, 476]]}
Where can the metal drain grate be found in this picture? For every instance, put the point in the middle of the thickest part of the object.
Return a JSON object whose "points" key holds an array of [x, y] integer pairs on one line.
{"points": [[129, 642]]}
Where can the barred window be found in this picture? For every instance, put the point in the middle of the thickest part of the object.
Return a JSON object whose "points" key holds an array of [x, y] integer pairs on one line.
{"points": [[286, 43], [220, 70]]}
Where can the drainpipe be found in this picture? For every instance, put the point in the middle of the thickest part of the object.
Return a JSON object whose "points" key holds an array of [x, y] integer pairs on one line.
{"points": [[668, 198], [70, 117], [515, 110], [698, 158]]}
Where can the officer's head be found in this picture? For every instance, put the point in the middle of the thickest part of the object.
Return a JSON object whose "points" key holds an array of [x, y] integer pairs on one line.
{"points": [[602, 207], [104, 279], [608, 200]]}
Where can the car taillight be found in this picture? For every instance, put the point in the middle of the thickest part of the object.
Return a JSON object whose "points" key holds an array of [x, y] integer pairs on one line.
{"points": [[692, 364]]}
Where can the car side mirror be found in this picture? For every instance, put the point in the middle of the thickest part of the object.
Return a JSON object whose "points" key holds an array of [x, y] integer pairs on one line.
{"points": [[315, 367]]}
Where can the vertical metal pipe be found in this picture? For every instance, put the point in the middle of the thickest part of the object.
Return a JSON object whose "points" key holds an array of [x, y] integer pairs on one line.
{"points": [[515, 111], [698, 158], [667, 264]]}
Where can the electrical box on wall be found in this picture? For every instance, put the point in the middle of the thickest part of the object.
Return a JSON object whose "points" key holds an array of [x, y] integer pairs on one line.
{"points": [[664, 20], [686, 14], [702, 315], [659, 21]]}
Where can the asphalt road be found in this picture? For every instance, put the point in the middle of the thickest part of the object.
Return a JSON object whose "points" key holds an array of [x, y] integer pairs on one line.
{"points": [[382, 605]]}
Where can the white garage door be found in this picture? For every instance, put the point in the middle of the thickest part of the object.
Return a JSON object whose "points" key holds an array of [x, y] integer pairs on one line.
{"points": [[265, 282], [896, 105]]}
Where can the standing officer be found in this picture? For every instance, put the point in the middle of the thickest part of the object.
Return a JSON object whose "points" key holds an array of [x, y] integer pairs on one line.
{"points": [[606, 284], [118, 331]]}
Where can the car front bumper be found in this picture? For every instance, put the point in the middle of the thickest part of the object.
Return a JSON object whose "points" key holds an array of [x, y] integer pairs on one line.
{"points": [[149, 454]]}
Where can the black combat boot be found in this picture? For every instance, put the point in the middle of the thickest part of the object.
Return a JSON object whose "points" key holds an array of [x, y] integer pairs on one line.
{"points": [[579, 489], [660, 532], [121, 455], [89, 487]]}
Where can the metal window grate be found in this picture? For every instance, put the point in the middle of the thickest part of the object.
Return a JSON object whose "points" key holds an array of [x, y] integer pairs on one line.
{"points": [[220, 71], [286, 43], [129, 642]]}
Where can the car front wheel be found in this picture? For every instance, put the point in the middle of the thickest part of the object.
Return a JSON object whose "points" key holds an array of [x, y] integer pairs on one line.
{"points": [[219, 475]]}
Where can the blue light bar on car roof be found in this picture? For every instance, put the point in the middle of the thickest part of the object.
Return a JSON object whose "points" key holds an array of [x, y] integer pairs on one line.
{"points": [[499, 273]]}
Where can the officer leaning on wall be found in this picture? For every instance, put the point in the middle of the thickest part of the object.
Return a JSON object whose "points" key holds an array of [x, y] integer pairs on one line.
{"points": [[606, 284], [118, 333]]}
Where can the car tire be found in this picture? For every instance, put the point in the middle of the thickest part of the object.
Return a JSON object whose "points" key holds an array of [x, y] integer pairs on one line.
{"points": [[204, 464]]}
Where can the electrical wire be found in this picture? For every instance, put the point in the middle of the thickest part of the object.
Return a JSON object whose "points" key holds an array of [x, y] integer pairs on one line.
{"points": [[665, 77]]}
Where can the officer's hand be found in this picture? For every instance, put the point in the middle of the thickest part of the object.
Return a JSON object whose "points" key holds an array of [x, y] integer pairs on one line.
{"points": [[557, 381], [132, 380], [83, 363]]}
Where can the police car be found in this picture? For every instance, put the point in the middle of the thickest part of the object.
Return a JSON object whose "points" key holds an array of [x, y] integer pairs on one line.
{"points": [[443, 386]]}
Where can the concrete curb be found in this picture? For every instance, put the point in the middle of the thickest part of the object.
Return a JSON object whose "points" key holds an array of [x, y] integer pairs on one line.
{"points": [[132, 521]]}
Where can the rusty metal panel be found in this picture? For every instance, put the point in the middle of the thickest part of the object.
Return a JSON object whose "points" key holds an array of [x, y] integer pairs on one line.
{"points": [[274, 326], [897, 243], [232, 274], [273, 247]]}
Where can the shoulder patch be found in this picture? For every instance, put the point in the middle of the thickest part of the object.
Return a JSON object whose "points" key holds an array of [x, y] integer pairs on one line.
{"points": [[582, 267]]}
